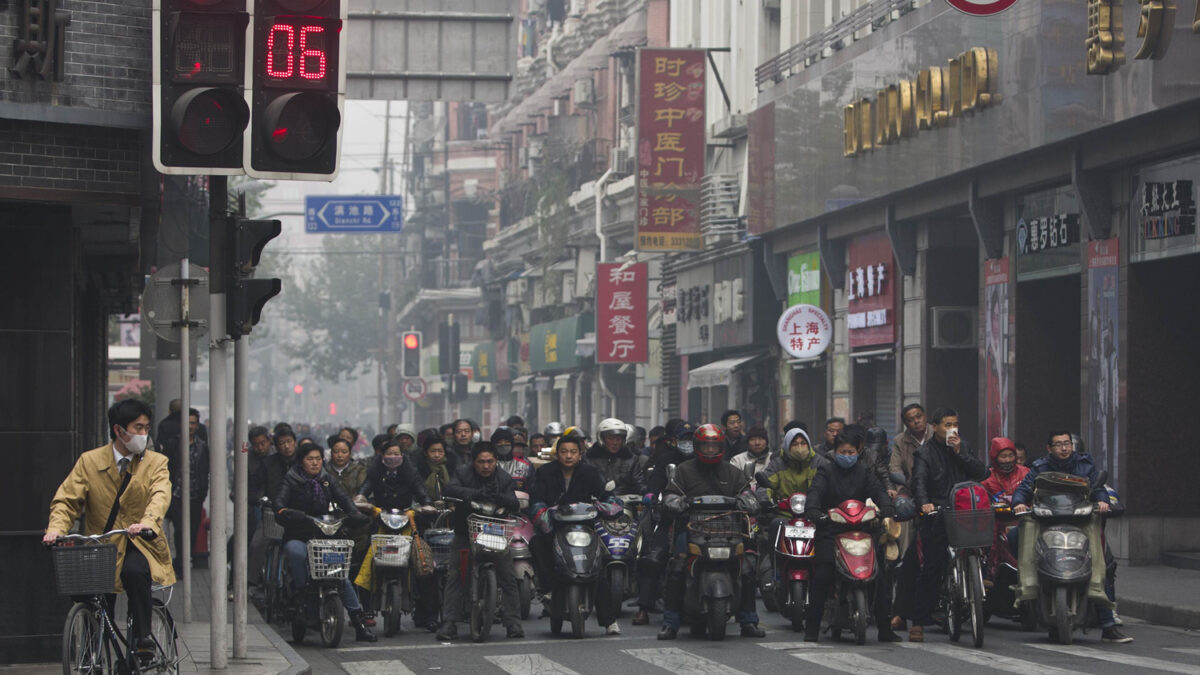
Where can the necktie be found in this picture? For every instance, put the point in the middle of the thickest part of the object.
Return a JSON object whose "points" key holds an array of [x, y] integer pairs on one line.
{"points": [[123, 465]]}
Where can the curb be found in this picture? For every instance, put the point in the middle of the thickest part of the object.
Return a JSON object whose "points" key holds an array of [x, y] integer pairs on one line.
{"points": [[1167, 615], [297, 664]]}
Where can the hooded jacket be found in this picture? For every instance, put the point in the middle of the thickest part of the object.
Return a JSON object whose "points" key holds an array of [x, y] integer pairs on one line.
{"points": [[467, 484], [621, 468], [998, 483], [794, 476], [937, 468], [1076, 465]]}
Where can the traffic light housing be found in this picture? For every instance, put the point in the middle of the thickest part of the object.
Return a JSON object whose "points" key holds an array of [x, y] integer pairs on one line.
{"points": [[297, 85], [410, 347], [459, 387], [246, 297], [448, 349], [199, 106]]}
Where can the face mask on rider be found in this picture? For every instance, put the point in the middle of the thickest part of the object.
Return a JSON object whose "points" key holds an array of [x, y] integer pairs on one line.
{"points": [[799, 453], [476, 437], [1006, 467], [685, 447], [845, 461], [393, 461], [136, 443]]}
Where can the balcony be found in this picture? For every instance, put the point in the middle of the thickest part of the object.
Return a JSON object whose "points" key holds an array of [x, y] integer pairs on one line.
{"points": [[719, 205]]}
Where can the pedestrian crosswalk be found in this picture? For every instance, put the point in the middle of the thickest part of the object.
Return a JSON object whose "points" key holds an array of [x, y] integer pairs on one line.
{"points": [[605, 657]]}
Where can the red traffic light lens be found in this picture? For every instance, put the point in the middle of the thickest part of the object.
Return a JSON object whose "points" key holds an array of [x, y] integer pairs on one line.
{"points": [[207, 121], [299, 389], [298, 126], [411, 341]]}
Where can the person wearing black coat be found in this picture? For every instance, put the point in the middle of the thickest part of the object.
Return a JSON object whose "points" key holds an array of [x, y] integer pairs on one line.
{"points": [[843, 478], [656, 531], [481, 480], [308, 490], [620, 468], [394, 488], [938, 465]]}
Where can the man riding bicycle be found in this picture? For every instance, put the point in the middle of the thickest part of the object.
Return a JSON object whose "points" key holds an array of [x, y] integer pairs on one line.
{"points": [[121, 486]]}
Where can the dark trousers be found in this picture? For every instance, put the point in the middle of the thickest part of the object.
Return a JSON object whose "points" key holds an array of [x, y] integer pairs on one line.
{"points": [[135, 579], [175, 515], [933, 570], [822, 581], [657, 543], [542, 550], [906, 581], [457, 576]]}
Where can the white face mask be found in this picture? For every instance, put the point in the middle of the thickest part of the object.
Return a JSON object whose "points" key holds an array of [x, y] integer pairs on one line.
{"points": [[476, 437], [685, 447], [136, 443]]}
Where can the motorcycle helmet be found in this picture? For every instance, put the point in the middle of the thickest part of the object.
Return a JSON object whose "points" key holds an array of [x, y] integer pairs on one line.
{"points": [[710, 443], [905, 508], [553, 429], [877, 441], [611, 425]]}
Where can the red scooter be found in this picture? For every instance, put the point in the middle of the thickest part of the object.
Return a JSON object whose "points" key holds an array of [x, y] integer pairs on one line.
{"points": [[854, 556], [793, 552]]}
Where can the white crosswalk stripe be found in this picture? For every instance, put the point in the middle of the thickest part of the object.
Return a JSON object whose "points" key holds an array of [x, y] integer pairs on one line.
{"points": [[1185, 650], [388, 667], [793, 645], [680, 661], [1113, 656], [849, 662], [529, 664], [989, 659]]}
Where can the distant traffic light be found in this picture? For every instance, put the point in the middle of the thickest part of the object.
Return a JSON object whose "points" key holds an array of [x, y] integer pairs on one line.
{"points": [[448, 349], [458, 388], [332, 408], [245, 296], [297, 89], [411, 354], [199, 105]]}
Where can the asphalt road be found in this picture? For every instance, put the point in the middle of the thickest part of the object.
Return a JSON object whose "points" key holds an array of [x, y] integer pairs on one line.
{"points": [[1156, 649]]}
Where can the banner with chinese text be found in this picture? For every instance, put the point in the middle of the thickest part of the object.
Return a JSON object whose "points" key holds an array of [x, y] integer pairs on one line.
{"points": [[621, 311], [1103, 356], [670, 148], [996, 344]]}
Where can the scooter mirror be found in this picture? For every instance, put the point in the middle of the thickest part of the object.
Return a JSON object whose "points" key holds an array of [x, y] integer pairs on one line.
{"points": [[610, 486]]}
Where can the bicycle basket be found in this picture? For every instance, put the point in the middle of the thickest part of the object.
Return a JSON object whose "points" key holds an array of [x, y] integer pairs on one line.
{"points": [[442, 543], [970, 529], [329, 558], [491, 534], [731, 524], [272, 530], [391, 550], [85, 570]]}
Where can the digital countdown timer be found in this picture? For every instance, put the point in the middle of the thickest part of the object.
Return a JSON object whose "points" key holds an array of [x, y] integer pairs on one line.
{"points": [[298, 52]]}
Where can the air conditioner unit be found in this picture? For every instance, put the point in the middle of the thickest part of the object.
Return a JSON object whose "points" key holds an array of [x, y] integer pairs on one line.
{"points": [[585, 91], [953, 327], [620, 159]]}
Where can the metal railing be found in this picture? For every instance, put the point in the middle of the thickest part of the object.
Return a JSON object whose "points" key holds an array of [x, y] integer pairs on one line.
{"points": [[833, 37], [719, 204]]}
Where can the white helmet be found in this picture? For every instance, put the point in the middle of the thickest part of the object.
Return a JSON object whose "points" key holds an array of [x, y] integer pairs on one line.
{"points": [[554, 429], [611, 425]]}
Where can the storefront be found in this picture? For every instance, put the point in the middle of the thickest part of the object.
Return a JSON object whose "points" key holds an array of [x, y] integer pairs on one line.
{"points": [[871, 321], [804, 384], [562, 382]]}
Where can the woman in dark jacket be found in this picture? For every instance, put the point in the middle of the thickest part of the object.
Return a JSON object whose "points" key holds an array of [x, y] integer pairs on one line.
{"points": [[434, 466], [308, 490], [841, 479]]}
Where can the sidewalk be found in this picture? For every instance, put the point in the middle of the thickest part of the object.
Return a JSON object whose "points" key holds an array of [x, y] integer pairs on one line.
{"points": [[266, 652], [1160, 594]]}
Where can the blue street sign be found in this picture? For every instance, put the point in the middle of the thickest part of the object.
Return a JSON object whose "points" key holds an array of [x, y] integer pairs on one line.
{"points": [[358, 213]]}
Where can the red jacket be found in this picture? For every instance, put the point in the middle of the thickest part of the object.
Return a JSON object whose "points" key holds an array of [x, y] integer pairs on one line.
{"points": [[1002, 483]]}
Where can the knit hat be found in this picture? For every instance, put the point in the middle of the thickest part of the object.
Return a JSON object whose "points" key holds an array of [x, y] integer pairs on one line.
{"points": [[759, 432]]}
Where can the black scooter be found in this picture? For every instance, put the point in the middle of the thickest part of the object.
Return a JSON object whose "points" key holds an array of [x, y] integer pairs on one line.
{"points": [[577, 566], [716, 533]]}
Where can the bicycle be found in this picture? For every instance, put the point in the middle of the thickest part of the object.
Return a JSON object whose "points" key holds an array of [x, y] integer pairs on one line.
{"points": [[969, 533], [274, 599], [91, 642]]}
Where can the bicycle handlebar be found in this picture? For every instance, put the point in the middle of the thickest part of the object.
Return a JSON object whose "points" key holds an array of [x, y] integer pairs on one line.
{"points": [[148, 535]]}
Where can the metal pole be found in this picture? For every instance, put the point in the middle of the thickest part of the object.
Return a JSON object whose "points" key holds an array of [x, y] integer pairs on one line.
{"points": [[185, 454], [219, 478], [241, 371]]}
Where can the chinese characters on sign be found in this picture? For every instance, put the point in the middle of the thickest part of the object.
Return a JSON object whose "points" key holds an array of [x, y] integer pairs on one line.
{"points": [[1168, 210], [670, 149], [621, 311], [1039, 234], [996, 332], [804, 331], [871, 291], [40, 48]]}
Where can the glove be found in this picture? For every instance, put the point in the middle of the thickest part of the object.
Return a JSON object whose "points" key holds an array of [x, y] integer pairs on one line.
{"points": [[675, 505], [748, 503], [290, 515], [648, 498]]}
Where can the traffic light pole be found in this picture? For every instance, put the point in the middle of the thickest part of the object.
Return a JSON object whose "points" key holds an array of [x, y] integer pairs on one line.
{"points": [[241, 487], [185, 454], [218, 196]]}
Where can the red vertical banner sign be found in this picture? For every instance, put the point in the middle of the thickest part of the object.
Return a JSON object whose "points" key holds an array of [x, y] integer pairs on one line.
{"points": [[995, 348], [670, 148], [621, 313], [871, 291]]}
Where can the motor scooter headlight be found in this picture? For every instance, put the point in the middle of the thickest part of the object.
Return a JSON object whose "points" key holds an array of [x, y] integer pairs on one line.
{"points": [[869, 514], [1042, 511], [855, 547], [394, 521], [836, 517], [1064, 540], [718, 552], [1084, 510], [579, 538], [796, 503]]}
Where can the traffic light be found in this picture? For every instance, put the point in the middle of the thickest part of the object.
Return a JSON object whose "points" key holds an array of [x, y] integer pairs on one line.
{"points": [[458, 387], [200, 111], [411, 350], [245, 296], [297, 80], [448, 349]]}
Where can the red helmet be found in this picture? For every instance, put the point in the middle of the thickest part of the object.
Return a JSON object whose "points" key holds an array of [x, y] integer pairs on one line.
{"points": [[710, 443]]}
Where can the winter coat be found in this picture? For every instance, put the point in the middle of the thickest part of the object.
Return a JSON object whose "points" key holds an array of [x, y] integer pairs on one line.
{"points": [[622, 469], [998, 483], [256, 476], [277, 466], [694, 478], [733, 448], [1076, 465], [393, 488], [520, 470], [91, 488], [749, 464], [351, 478], [833, 485], [550, 487], [198, 454], [937, 468], [791, 476], [904, 446], [664, 455], [468, 485], [436, 476], [297, 492]]}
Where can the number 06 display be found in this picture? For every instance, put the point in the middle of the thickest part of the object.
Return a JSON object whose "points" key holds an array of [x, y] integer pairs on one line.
{"points": [[297, 90]]}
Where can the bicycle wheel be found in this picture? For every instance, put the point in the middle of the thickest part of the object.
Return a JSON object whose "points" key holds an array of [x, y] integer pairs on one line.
{"points": [[975, 600], [953, 620], [483, 606], [82, 646], [162, 629], [270, 580]]}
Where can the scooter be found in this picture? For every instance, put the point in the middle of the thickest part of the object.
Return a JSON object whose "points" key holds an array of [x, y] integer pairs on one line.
{"points": [[318, 604], [489, 532], [1000, 597], [792, 545], [716, 531], [855, 560], [618, 553], [576, 566], [1061, 502], [390, 580], [522, 556], [440, 537]]}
